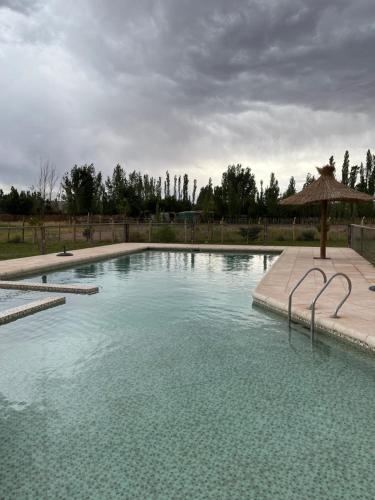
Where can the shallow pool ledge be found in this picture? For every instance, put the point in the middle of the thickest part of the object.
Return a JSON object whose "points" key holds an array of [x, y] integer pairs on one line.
{"points": [[356, 323]]}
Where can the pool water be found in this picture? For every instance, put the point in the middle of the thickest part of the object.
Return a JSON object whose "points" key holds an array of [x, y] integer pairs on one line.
{"points": [[169, 384]]}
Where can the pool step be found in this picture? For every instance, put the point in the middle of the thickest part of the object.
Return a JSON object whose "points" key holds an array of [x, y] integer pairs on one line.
{"points": [[49, 287], [30, 308]]}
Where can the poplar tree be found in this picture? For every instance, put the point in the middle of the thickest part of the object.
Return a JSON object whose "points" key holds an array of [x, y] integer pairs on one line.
{"points": [[271, 196], [291, 189], [353, 176], [345, 169], [194, 191], [369, 168]]}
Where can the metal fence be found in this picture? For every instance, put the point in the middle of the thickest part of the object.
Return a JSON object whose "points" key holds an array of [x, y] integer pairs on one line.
{"points": [[210, 232], [362, 240]]}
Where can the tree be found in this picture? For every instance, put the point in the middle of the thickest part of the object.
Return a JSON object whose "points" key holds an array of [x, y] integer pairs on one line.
{"points": [[345, 169], [185, 189], [271, 196], [19, 203], [353, 176], [369, 169], [194, 191], [81, 189], [167, 185], [309, 180], [206, 198], [371, 183], [291, 189], [116, 194], [261, 206], [362, 185], [239, 191]]}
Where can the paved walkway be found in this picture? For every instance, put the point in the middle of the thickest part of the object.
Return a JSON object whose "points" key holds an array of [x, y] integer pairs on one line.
{"points": [[357, 317]]}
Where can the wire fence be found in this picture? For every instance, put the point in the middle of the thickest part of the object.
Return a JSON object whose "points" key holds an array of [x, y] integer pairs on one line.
{"points": [[362, 240], [156, 232]]}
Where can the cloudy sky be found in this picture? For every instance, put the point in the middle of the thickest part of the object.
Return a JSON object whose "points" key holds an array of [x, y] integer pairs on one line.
{"points": [[185, 85]]}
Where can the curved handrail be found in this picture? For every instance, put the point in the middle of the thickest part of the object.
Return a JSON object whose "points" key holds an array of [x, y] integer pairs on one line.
{"points": [[334, 315], [297, 285]]}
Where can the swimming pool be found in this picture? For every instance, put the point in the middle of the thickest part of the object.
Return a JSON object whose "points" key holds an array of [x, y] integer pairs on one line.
{"points": [[168, 384]]}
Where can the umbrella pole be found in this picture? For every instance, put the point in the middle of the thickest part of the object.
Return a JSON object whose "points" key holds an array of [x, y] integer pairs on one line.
{"points": [[323, 228]]}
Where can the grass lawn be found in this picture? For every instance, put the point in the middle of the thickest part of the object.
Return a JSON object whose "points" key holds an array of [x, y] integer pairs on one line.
{"points": [[291, 243], [16, 250]]}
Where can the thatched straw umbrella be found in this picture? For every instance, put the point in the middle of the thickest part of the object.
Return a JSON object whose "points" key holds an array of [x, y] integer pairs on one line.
{"points": [[324, 190]]}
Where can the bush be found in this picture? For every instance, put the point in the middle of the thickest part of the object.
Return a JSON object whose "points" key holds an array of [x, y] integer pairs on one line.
{"points": [[88, 233], [165, 234], [280, 237], [307, 235], [15, 239], [250, 233]]}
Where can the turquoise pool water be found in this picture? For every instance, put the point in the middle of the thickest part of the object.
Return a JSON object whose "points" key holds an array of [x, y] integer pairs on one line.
{"points": [[168, 384]]}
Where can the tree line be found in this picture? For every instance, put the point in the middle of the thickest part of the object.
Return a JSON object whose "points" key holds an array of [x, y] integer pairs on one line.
{"points": [[83, 190]]}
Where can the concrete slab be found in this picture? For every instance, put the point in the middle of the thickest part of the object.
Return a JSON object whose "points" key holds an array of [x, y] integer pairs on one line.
{"points": [[49, 287], [30, 308]]}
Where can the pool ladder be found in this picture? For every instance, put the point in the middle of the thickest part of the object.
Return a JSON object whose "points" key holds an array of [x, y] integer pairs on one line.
{"points": [[312, 307]]}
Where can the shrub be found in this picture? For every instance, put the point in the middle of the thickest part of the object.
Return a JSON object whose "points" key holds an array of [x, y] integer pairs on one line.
{"points": [[88, 233], [165, 234], [250, 233], [307, 235], [15, 239], [280, 237]]}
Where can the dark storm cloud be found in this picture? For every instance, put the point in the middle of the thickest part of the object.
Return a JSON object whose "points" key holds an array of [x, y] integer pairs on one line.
{"points": [[24, 6], [312, 53], [185, 84]]}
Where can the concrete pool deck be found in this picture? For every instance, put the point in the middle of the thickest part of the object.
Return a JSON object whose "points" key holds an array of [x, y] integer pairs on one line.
{"points": [[356, 322], [357, 317]]}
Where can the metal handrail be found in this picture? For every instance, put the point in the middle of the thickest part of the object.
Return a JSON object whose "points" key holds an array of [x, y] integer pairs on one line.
{"points": [[297, 285], [334, 315]]}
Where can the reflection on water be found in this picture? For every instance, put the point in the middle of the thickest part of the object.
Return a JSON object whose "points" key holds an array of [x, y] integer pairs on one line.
{"points": [[89, 270]]}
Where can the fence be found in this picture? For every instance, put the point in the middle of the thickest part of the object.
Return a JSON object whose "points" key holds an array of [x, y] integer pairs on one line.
{"points": [[362, 240], [209, 232]]}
